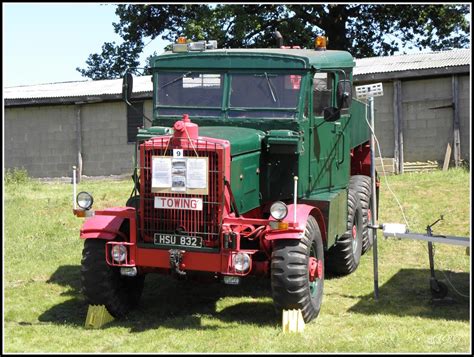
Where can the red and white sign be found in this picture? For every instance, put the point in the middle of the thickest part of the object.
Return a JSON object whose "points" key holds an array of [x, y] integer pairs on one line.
{"points": [[194, 204]]}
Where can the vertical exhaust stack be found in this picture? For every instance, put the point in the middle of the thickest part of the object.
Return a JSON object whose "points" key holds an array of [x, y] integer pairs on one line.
{"points": [[279, 38]]}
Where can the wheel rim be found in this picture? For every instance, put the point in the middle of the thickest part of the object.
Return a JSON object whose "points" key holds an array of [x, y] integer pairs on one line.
{"points": [[315, 267], [354, 238], [369, 220]]}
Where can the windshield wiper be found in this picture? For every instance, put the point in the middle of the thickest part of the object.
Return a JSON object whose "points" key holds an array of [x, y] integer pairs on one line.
{"points": [[175, 80], [270, 87]]}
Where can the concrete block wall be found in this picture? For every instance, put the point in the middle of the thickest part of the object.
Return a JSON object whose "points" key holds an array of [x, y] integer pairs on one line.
{"points": [[105, 150], [383, 115], [40, 139], [426, 131], [43, 139], [427, 118]]}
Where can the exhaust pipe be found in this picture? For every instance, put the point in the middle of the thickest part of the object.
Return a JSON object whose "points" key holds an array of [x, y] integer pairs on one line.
{"points": [[279, 38]]}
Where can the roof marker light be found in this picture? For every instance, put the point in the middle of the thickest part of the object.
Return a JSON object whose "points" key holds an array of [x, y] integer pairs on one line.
{"points": [[320, 43]]}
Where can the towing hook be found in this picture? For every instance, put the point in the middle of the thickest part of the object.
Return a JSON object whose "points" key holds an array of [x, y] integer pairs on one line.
{"points": [[176, 259]]}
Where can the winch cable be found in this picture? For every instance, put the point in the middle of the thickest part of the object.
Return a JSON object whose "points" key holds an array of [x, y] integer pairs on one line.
{"points": [[383, 170], [400, 206]]}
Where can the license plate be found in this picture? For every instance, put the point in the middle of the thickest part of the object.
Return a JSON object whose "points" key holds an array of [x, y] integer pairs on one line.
{"points": [[172, 239]]}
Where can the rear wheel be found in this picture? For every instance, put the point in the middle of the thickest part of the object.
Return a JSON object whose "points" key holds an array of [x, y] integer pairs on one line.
{"points": [[297, 272], [103, 284], [363, 186], [344, 257]]}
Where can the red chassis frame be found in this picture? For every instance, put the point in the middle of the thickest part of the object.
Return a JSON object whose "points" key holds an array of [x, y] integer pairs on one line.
{"points": [[105, 224]]}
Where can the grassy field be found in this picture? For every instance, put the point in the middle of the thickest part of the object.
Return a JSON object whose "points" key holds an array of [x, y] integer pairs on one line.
{"points": [[44, 310]]}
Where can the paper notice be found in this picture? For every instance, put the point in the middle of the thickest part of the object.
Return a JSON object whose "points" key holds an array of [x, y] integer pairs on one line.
{"points": [[161, 172], [196, 173]]}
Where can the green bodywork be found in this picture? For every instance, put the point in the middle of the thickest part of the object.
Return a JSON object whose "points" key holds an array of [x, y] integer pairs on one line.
{"points": [[268, 153]]}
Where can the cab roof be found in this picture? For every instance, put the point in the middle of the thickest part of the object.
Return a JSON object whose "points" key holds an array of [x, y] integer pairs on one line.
{"points": [[257, 58]]}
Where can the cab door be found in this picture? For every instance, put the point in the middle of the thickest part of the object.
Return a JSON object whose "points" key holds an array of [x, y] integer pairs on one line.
{"points": [[329, 162]]}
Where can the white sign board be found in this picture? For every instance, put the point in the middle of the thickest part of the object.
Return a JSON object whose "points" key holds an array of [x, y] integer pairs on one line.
{"points": [[179, 174]]}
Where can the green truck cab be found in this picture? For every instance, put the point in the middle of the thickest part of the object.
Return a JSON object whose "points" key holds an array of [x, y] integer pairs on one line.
{"points": [[253, 156]]}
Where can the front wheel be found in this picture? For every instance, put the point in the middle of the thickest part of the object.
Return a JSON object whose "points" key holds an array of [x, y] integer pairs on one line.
{"points": [[297, 272], [103, 284]]}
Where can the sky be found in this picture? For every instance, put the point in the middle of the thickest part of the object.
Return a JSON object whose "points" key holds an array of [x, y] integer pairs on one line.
{"points": [[45, 42]]}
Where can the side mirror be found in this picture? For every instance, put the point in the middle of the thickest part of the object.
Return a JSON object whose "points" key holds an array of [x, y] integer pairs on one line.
{"points": [[331, 114], [344, 94], [127, 87]]}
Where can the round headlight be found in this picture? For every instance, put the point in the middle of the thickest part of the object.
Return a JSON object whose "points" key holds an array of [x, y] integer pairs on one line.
{"points": [[241, 262], [119, 253], [84, 200], [278, 210]]}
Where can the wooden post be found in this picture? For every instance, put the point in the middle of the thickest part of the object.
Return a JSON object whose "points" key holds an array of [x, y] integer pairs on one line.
{"points": [[79, 142], [398, 125], [447, 157], [456, 121]]}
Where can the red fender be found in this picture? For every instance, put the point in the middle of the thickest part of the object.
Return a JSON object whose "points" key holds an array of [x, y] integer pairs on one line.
{"points": [[302, 213], [105, 224]]}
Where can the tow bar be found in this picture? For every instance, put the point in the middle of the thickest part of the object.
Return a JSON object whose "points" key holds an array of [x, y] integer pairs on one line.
{"points": [[438, 289], [176, 262]]}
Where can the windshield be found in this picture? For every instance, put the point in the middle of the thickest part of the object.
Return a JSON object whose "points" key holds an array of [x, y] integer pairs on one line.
{"points": [[256, 95], [201, 91], [264, 90]]}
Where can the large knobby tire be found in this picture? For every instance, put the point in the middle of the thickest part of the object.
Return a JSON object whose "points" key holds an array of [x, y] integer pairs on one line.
{"points": [[344, 257], [363, 186], [297, 272], [103, 284]]}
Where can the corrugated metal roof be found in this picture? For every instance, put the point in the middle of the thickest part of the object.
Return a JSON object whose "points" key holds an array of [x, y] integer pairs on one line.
{"points": [[112, 88], [418, 61], [77, 89]]}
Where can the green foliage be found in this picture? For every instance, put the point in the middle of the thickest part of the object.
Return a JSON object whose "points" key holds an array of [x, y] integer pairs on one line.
{"points": [[45, 311], [113, 61], [15, 176], [365, 30]]}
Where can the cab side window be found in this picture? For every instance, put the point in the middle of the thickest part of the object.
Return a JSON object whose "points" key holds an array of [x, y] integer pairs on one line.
{"points": [[323, 83]]}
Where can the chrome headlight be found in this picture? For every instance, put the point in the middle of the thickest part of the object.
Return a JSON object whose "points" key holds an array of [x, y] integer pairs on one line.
{"points": [[84, 200], [278, 210], [241, 262], [119, 253]]}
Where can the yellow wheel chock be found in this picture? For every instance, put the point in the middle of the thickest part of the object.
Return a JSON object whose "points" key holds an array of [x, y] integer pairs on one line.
{"points": [[97, 316], [293, 321]]}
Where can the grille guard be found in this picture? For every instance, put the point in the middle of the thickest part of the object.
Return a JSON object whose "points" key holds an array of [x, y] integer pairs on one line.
{"points": [[205, 223]]}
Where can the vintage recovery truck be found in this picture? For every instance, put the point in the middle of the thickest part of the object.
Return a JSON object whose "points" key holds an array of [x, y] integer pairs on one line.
{"points": [[257, 163]]}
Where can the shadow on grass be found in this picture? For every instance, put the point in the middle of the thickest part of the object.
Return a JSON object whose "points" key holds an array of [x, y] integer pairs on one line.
{"points": [[170, 303], [167, 302], [408, 293]]}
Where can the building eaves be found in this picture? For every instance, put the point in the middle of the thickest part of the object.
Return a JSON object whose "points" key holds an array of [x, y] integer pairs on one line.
{"points": [[413, 65], [75, 92]]}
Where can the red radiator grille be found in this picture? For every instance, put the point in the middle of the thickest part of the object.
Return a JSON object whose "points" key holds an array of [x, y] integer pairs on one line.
{"points": [[193, 223]]}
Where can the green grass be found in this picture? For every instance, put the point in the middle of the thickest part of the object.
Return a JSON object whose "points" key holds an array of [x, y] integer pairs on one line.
{"points": [[44, 310]]}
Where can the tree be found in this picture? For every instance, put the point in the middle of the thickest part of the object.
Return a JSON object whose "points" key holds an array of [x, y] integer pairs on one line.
{"points": [[365, 30]]}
